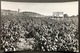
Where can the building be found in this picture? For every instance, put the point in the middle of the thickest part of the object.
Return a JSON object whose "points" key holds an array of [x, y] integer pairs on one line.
{"points": [[58, 15]]}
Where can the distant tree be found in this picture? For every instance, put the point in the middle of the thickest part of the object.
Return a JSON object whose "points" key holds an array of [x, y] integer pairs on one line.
{"points": [[77, 15], [66, 16], [73, 16], [18, 10]]}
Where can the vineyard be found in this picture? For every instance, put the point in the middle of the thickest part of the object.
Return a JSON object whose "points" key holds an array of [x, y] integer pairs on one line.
{"points": [[23, 31]]}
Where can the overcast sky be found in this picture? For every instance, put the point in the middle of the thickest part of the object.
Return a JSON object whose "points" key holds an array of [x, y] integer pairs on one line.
{"points": [[70, 8]]}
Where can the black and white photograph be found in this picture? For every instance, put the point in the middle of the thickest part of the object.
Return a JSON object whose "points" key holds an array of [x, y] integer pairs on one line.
{"points": [[37, 26]]}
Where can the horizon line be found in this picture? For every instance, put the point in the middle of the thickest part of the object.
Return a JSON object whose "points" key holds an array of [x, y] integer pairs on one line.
{"points": [[38, 12]]}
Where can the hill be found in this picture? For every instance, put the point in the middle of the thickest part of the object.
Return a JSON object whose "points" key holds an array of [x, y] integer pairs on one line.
{"points": [[30, 14]]}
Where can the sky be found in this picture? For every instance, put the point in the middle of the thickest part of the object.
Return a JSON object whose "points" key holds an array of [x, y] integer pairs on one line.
{"points": [[70, 8]]}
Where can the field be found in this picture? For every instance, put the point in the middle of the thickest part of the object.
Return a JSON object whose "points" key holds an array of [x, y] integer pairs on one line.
{"points": [[23, 31]]}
